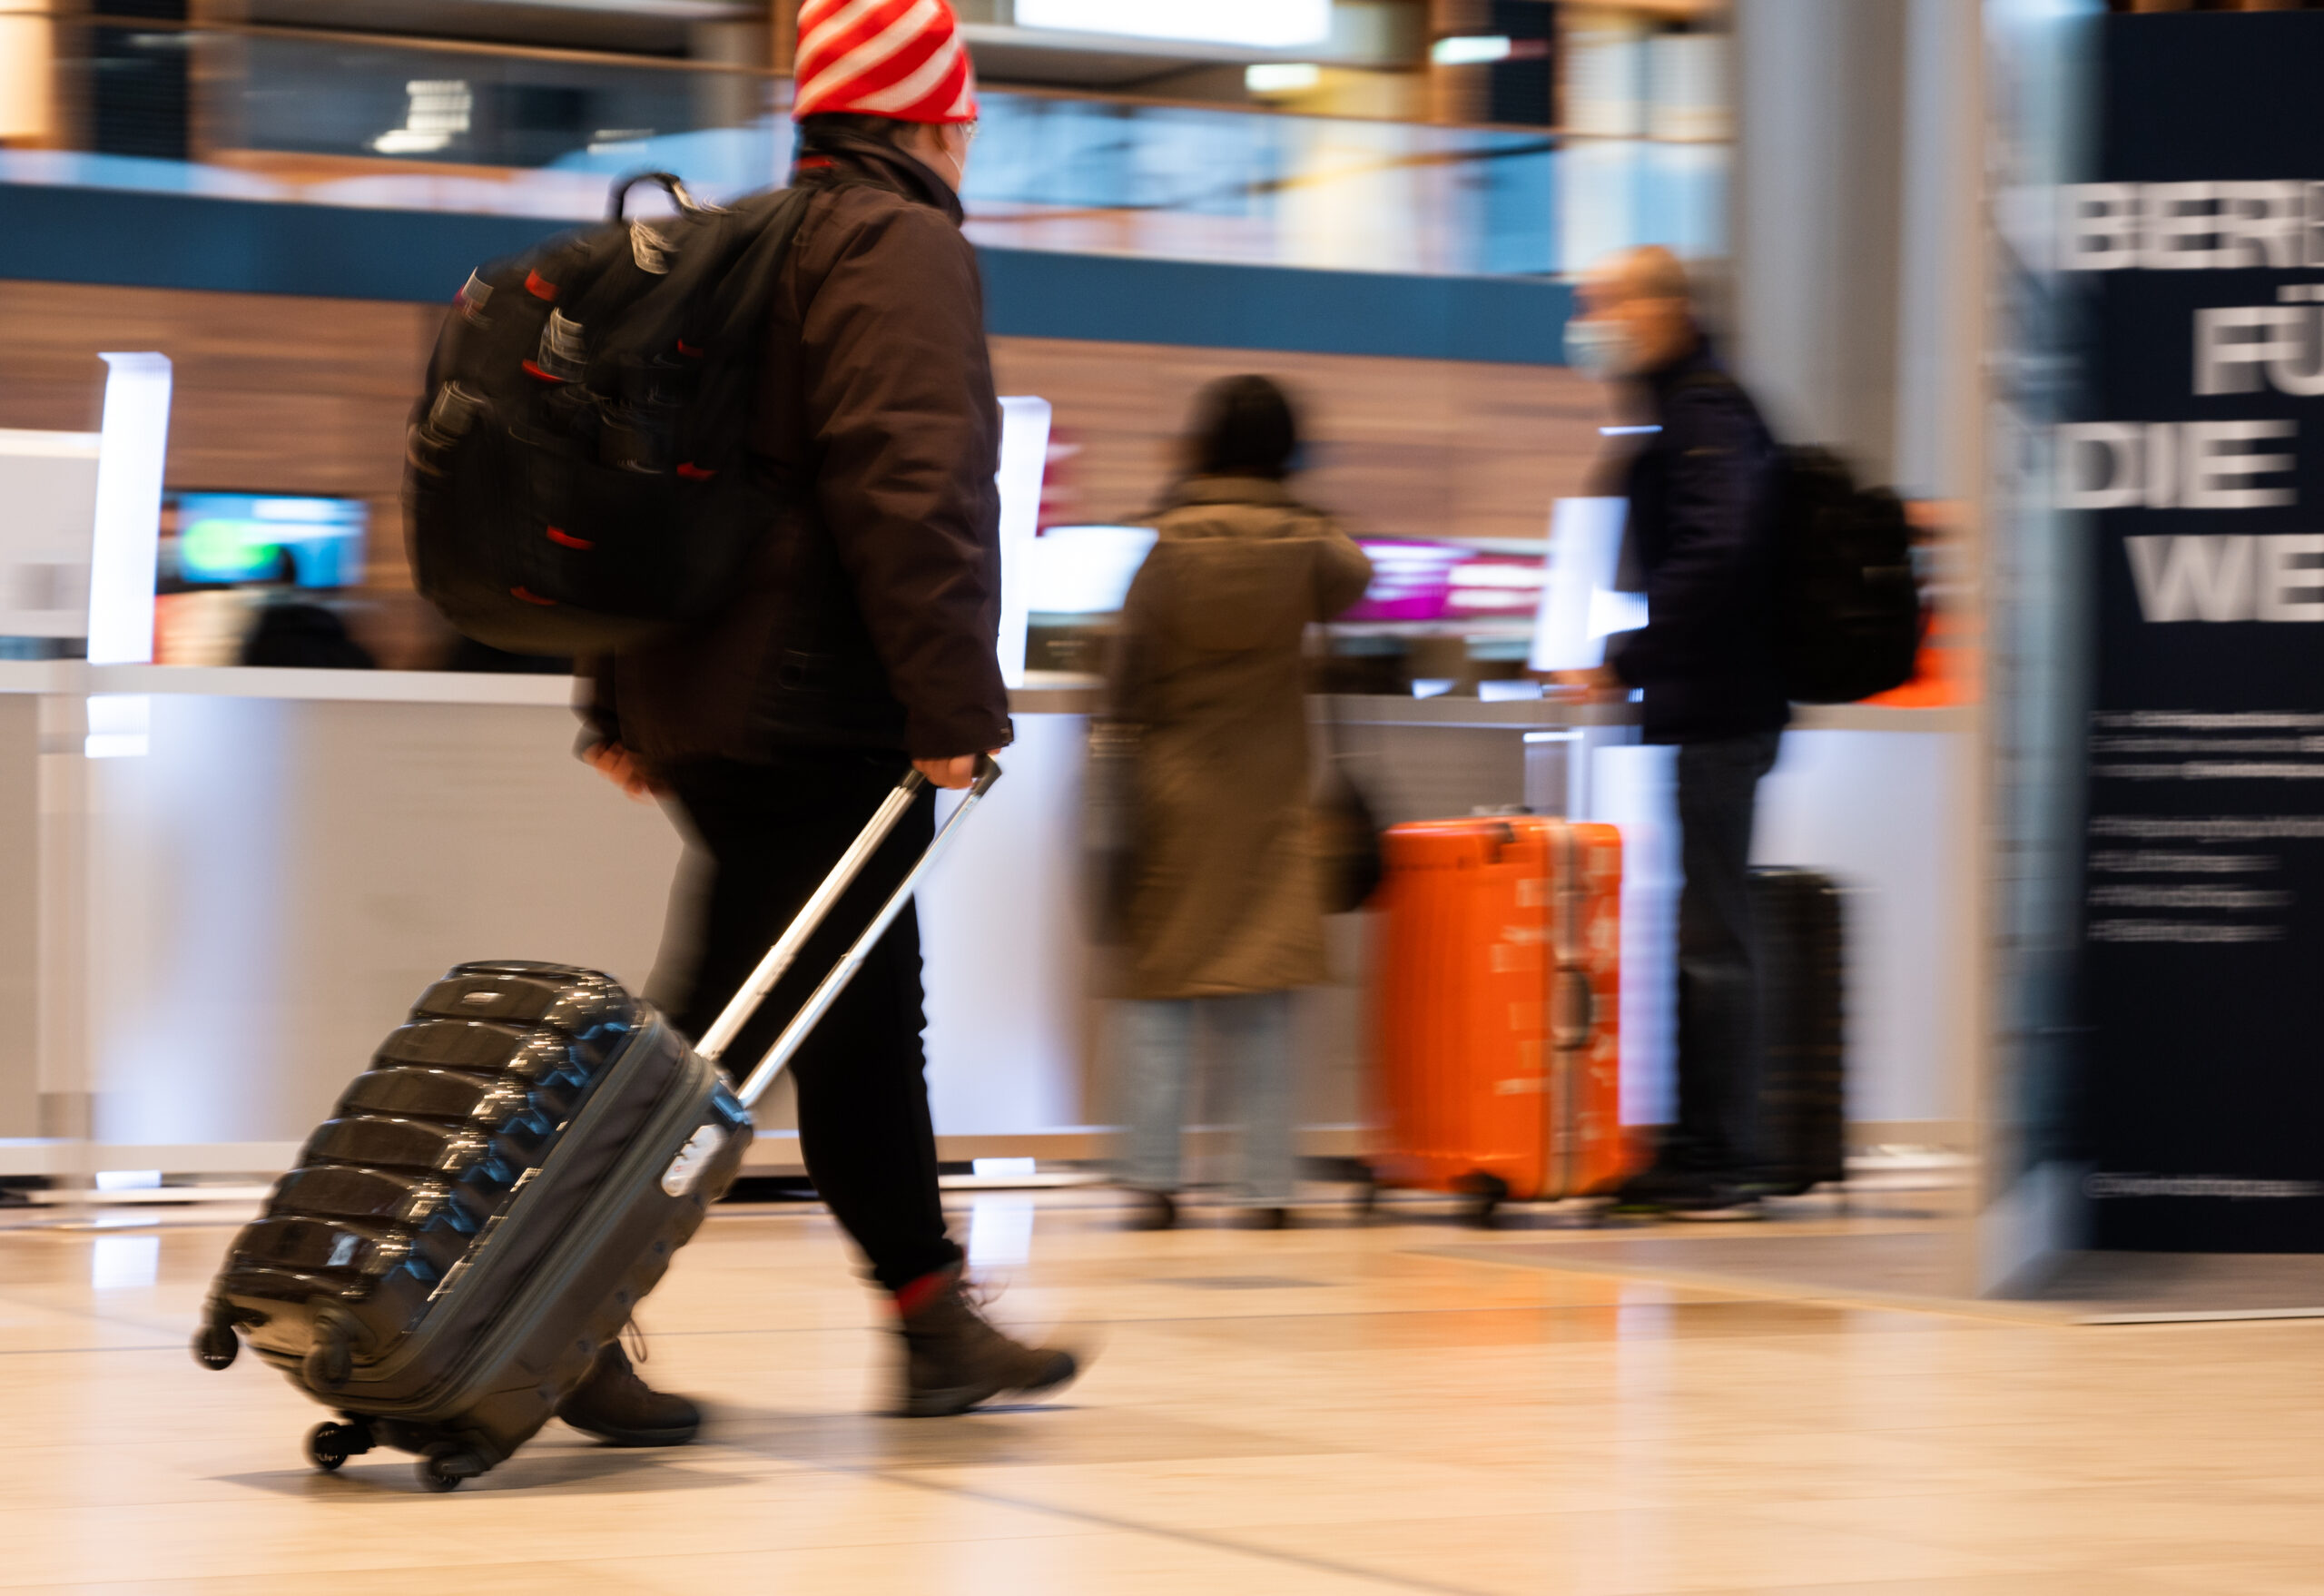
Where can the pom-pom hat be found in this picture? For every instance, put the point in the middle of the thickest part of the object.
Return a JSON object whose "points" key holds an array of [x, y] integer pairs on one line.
{"points": [[897, 58]]}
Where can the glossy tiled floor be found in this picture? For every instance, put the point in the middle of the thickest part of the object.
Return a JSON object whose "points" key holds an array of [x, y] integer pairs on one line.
{"points": [[1326, 1410]]}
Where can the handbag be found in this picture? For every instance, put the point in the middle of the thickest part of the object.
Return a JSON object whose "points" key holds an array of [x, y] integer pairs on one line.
{"points": [[1347, 833], [1109, 827]]}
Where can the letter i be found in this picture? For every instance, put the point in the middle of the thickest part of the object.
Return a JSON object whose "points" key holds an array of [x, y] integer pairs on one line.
{"points": [[2162, 465]]}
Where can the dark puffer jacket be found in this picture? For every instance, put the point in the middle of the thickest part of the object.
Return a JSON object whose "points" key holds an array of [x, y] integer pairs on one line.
{"points": [[867, 617], [1702, 534]]}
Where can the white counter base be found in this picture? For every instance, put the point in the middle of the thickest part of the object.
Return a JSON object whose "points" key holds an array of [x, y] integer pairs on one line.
{"points": [[210, 937]]}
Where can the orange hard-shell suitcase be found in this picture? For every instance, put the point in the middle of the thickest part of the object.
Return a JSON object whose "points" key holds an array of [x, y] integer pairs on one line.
{"points": [[1500, 997]]}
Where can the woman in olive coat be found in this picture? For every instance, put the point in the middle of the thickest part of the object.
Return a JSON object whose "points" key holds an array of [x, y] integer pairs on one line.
{"points": [[1224, 914]]}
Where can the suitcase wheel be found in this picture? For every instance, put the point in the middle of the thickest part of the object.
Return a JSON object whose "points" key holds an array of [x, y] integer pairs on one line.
{"points": [[446, 1464], [1485, 1193], [215, 1346], [330, 1446]]}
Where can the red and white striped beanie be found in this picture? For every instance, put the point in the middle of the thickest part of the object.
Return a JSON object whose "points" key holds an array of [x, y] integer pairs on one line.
{"points": [[899, 58]]}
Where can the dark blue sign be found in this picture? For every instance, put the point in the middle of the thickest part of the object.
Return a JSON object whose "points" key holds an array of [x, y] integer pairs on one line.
{"points": [[2199, 255]]}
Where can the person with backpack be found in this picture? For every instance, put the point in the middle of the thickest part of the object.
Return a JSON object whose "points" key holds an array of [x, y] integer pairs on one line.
{"points": [[858, 642], [1701, 539]]}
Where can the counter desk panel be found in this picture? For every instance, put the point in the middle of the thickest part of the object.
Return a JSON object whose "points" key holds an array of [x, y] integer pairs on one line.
{"points": [[230, 913]]}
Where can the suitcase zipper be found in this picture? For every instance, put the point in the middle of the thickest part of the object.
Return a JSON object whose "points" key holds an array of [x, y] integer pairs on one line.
{"points": [[580, 1241]]}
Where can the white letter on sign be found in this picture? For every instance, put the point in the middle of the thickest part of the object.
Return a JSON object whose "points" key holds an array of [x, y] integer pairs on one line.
{"points": [[2213, 470], [2098, 226], [2232, 342], [2193, 578], [2260, 224], [2181, 228], [2292, 577], [2101, 465]]}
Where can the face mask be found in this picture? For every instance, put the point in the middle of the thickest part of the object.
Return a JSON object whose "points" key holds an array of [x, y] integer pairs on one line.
{"points": [[1597, 348]]}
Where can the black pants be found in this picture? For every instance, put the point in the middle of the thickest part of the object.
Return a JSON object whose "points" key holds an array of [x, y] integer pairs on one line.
{"points": [[1718, 958], [772, 832]]}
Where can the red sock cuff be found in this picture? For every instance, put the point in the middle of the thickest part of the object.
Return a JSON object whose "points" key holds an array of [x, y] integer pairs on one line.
{"points": [[918, 1294]]}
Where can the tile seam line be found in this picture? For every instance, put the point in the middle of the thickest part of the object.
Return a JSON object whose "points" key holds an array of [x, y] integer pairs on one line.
{"points": [[579, 1563], [1558, 1309], [1250, 1318], [2027, 1316], [1212, 1542], [92, 1316]]}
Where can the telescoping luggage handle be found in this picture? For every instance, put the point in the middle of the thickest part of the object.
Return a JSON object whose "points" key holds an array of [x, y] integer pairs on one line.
{"points": [[779, 958]]}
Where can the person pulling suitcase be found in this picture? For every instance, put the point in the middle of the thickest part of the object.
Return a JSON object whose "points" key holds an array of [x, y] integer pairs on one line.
{"points": [[859, 642]]}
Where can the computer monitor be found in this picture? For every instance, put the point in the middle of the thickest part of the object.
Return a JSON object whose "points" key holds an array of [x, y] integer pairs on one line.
{"points": [[1084, 570], [231, 537]]}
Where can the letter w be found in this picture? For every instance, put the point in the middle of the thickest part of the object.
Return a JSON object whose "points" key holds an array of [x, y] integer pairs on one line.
{"points": [[2193, 579]]}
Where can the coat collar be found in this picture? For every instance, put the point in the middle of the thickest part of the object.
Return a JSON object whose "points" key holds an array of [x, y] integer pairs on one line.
{"points": [[1698, 360], [884, 164], [1230, 490]]}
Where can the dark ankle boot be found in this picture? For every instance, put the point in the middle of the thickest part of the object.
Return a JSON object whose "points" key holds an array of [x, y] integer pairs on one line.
{"points": [[954, 1359], [615, 1404]]}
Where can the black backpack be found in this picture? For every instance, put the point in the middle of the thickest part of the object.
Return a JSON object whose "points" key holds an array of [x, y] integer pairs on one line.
{"points": [[1849, 617], [577, 474]]}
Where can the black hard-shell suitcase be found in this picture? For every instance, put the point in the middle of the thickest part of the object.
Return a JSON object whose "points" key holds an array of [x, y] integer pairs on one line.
{"points": [[491, 1199], [1803, 1083]]}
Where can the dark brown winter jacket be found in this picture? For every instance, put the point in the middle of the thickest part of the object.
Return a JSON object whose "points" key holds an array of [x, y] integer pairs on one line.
{"points": [[867, 617]]}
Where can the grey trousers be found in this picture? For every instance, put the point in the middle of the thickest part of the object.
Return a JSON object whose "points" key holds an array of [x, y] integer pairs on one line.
{"points": [[1253, 1033]]}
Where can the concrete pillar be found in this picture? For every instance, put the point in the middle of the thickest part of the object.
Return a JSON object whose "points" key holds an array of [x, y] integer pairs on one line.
{"points": [[1941, 271], [1818, 209], [1859, 311]]}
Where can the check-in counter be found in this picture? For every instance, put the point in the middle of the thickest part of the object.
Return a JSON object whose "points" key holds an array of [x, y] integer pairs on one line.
{"points": [[220, 888]]}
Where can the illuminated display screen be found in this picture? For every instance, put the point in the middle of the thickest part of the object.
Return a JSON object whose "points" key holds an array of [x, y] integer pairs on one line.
{"points": [[229, 538], [1413, 581]]}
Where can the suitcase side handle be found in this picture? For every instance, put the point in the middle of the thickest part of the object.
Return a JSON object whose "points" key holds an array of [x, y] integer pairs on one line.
{"points": [[1574, 1021], [804, 1023]]}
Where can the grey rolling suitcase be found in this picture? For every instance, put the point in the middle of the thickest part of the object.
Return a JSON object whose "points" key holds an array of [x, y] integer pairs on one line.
{"points": [[492, 1197]]}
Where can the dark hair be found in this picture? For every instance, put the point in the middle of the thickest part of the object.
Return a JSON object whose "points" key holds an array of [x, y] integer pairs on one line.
{"points": [[878, 130], [1245, 427]]}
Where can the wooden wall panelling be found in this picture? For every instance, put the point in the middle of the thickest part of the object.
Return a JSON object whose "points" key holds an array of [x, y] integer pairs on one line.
{"points": [[1397, 447], [279, 394], [273, 394]]}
